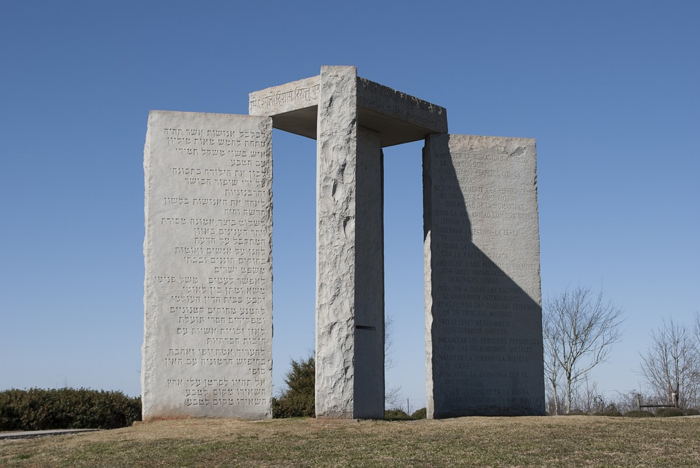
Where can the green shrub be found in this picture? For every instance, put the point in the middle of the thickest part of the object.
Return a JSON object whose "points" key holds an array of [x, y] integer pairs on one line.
{"points": [[639, 414], [669, 412], [396, 415], [419, 414], [299, 397], [66, 408], [692, 412]]}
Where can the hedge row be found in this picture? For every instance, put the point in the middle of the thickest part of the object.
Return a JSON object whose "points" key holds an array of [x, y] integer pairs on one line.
{"points": [[662, 413], [66, 408]]}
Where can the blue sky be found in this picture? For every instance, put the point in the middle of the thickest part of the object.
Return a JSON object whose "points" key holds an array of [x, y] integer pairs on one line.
{"points": [[610, 89]]}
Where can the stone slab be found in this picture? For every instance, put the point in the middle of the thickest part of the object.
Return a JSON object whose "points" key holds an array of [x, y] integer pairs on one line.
{"points": [[349, 281], [397, 117], [208, 273], [293, 106], [369, 277], [482, 277]]}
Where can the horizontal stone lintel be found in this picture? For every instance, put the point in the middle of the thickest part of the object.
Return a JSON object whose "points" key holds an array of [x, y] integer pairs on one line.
{"points": [[396, 116]]}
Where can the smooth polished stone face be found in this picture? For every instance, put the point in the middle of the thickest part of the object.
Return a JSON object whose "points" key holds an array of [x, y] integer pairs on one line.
{"points": [[208, 258], [482, 277]]}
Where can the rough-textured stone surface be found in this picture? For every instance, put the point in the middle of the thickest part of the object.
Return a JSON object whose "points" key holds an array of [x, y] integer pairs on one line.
{"points": [[335, 242], [208, 279], [482, 277], [349, 361]]}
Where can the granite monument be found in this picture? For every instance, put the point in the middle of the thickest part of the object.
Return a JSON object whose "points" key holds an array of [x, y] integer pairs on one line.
{"points": [[208, 251], [208, 307]]}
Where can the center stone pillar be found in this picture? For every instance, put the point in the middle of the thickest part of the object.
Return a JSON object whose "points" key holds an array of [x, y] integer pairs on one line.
{"points": [[350, 255]]}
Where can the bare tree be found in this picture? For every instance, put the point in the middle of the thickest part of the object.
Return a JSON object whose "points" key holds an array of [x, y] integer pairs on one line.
{"points": [[552, 369], [579, 330], [392, 395], [589, 398], [671, 364], [696, 329]]}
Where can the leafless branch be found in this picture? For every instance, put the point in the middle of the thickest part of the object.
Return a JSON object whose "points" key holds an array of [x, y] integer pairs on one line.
{"points": [[671, 365], [579, 331]]}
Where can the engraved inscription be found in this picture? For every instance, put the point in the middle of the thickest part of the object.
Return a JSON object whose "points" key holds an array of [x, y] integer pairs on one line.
{"points": [[285, 98], [484, 284], [298, 97], [208, 274]]}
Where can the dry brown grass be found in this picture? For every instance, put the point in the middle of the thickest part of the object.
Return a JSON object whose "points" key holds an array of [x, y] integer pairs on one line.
{"points": [[561, 441]]}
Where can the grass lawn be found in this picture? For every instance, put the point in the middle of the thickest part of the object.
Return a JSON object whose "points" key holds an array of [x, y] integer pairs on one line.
{"points": [[561, 441]]}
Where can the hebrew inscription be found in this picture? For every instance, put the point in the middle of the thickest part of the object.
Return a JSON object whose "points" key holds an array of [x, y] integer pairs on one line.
{"points": [[208, 279], [292, 96], [483, 315]]}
